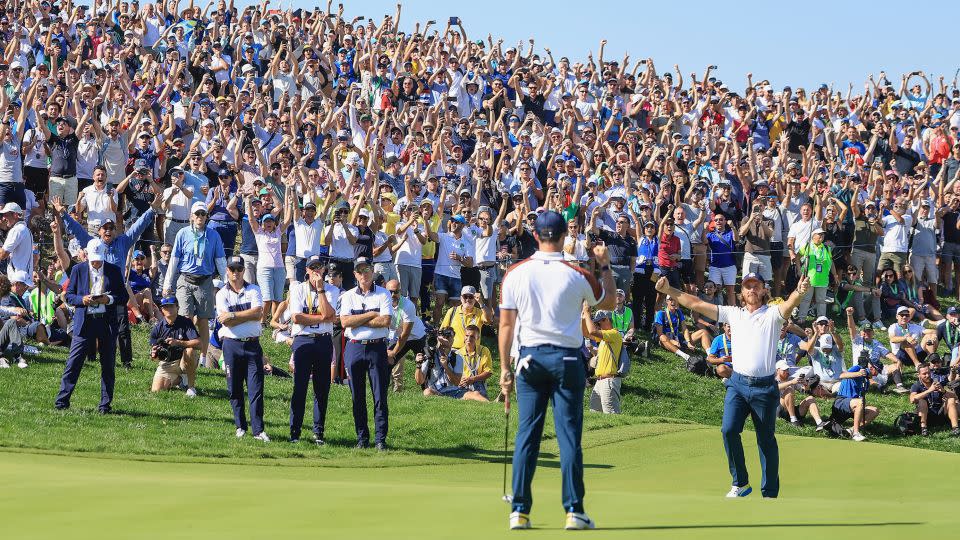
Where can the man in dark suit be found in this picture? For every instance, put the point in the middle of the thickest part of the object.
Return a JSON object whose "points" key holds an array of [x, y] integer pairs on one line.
{"points": [[96, 290]]}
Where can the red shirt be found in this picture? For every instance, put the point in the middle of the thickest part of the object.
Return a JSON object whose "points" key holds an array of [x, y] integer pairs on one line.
{"points": [[669, 245]]}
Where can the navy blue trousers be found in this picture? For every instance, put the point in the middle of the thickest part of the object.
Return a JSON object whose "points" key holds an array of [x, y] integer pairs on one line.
{"points": [[80, 348], [244, 362], [228, 234], [758, 398], [311, 360], [362, 360], [556, 375]]}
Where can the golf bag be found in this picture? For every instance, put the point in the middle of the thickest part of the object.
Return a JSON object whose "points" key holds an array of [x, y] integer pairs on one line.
{"points": [[907, 424]]}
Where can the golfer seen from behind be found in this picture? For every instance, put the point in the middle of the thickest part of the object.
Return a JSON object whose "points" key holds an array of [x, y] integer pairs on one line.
{"points": [[751, 389], [544, 295]]}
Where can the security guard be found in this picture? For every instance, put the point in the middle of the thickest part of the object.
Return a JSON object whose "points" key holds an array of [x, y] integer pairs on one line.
{"points": [[544, 295], [312, 311], [239, 306], [365, 313]]}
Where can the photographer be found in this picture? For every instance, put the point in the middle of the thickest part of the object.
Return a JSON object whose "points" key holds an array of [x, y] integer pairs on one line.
{"points": [[757, 230], [863, 341], [849, 403], [825, 350], [172, 334], [439, 371], [407, 332], [934, 402], [790, 410], [477, 365]]}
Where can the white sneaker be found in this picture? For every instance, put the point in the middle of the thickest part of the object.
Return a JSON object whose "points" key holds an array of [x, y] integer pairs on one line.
{"points": [[240, 433], [878, 325], [21, 363], [191, 392], [736, 491], [858, 437], [519, 521], [578, 522], [262, 436], [3, 363]]}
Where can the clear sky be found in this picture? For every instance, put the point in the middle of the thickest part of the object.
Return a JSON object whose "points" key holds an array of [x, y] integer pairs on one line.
{"points": [[797, 44]]}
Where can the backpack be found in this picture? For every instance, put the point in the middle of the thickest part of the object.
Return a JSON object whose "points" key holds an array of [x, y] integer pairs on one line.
{"points": [[835, 430], [698, 365], [907, 424]]}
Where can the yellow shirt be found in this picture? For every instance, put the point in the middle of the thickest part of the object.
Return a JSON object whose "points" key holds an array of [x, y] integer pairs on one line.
{"points": [[429, 249], [608, 355], [390, 222], [455, 318], [478, 363]]}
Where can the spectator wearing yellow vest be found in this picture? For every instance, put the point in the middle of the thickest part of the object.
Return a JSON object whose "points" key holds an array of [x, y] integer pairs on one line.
{"points": [[605, 396], [818, 267], [471, 311]]}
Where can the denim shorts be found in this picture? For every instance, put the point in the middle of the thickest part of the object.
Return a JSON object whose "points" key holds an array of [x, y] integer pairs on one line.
{"points": [[447, 285], [271, 281]]}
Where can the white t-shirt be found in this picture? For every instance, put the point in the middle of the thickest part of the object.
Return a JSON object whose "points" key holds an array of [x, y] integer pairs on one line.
{"points": [[179, 204], [579, 248], [11, 171], [406, 312], [98, 203], [485, 247], [548, 295], [269, 254], [304, 300], [229, 300], [308, 237], [895, 330], [19, 244], [379, 239], [410, 252], [448, 243], [802, 232], [754, 337], [896, 236], [88, 155], [340, 246], [36, 155]]}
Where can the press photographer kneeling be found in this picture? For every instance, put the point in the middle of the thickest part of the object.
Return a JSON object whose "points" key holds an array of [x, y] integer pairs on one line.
{"points": [[169, 339], [439, 371], [934, 397], [849, 403]]}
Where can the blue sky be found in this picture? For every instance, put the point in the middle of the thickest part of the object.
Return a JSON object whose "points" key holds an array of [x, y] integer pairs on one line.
{"points": [[797, 44]]}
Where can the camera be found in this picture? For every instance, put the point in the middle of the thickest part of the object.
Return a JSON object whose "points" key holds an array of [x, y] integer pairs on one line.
{"points": [[162, 352], [864, 360]]}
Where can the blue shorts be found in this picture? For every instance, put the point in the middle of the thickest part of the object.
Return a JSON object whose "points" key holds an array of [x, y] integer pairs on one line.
{"points": [[447, 285], [271, 281], [841, 409], [454, 392]]}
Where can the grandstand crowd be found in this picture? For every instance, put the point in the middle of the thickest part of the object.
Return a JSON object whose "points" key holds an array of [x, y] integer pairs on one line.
{"points": [[315, 146]]}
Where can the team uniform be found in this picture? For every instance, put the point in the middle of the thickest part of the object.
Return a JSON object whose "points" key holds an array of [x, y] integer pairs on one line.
{"points": [[242, 355], [312, 355]]}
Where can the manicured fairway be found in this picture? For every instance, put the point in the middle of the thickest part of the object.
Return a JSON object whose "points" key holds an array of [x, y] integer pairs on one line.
{"points": [[643, 481]]}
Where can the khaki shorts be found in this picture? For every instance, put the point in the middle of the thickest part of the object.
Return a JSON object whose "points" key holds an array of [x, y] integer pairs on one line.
{"points": [[170, 371]]}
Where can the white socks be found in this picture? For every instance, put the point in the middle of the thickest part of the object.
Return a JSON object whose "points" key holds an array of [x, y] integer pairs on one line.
{"points": [[683, 355]]}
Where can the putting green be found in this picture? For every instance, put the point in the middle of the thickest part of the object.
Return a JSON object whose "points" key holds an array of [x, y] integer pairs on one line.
{"points": [[646, 480]]}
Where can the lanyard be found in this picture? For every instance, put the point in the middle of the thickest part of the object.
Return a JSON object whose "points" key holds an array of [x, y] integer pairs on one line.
{"points": [[949, 339], [397, 317], [670, 321], [472, 367], [911, 293], [726, 347], [894, 288], [199, 244]]}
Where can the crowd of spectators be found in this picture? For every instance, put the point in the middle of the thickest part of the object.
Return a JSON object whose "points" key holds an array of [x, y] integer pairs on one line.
{"points": [[292, 134]]}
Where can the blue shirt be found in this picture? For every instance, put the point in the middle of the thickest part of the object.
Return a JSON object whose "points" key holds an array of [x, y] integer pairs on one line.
{"points": [[721, 249], [721, 346], [647, 248], [671, 325], [853, 388], [196, 182], [118, 249], [197, 254]]}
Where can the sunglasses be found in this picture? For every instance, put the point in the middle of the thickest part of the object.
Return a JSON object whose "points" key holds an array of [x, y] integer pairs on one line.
{"points": [[395, 293], [201, 213], [466, 297]]}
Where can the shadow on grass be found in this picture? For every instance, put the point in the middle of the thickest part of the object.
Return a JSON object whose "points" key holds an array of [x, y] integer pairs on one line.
{"points": [[760, 526], [546, 459]]}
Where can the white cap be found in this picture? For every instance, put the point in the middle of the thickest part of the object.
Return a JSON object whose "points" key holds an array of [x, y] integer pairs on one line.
{"points": [[366, 213], [20, 276], [821, 319], [783, 365], [16, 64], [903, 309], [826, 341], [352, 158], [818, 230], [198, 206], [96, 250], [11, 207], [247, 68]]}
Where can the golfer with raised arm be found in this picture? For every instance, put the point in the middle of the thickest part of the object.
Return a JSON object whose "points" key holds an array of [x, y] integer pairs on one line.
{"points": [[752, 388], [544, 295]]}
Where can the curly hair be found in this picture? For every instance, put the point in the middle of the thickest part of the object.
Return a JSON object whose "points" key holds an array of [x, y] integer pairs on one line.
{"points": [[4, 285]]}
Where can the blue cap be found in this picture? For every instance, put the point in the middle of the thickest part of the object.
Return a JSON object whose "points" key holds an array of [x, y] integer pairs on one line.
{"points": [[168, 301], [952, 310], [266, 217], [315, 260], [137, 254], [550, 225], [459, 219], [753, 275]]}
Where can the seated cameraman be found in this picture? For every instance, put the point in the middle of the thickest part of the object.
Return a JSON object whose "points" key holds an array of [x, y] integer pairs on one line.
{"points": [[671, 330], [862, 341], [439, 371], [720, 354], [789, 409], [825, 350], [849, 402], [477, 363], [605, 396], [905, 338], [169, 338], [934, 402]]}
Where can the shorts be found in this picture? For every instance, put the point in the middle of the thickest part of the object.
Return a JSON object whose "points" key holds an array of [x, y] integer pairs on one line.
{"points": [[170, 371], [196, 300], [950, 251], [65, 188], [271, 280], [623, 276], [925, 268], [447, 285], [250, 267], [386, 269], [409, 280], [454, 392], [842, 410], [892, 260], [936, 416], [723, 276], [488, 280]]}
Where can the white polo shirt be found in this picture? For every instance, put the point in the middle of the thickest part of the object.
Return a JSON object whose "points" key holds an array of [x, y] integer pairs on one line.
{"points": [[447, 244], [754, 337], [406, 312], [303, 299], [340, 246], [355, 302], [229, 300], [896, 235], [308, 237], [19, 244], [548, 294]]}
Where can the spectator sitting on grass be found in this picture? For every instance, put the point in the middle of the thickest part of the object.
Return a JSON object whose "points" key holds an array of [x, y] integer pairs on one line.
{"points": [[905, 338], [934, 403], [849, 402], [605, 396], [863, 340], [169, 339], [790, 410], [672, 334], [788, 348], [14, 315], [947, 332], [720, 355], [441, 374], [707, 325], [477, 363], [825, 350]]}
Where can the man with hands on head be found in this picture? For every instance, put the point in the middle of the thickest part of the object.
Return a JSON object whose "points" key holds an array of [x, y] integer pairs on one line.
{"points": [[752, 387]]}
